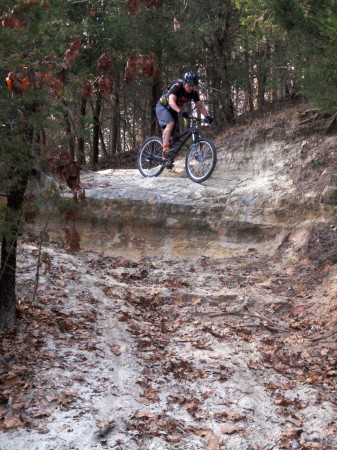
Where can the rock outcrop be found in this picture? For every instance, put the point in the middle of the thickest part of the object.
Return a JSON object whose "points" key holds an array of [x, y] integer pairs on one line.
{"points": [[274, 182]]}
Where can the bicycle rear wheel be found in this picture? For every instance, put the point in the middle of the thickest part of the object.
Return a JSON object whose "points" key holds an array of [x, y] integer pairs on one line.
{"points": [[149, 161], [200, 160]]}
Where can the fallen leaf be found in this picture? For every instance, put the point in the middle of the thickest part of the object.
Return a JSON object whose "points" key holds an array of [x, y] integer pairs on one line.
{"points": [[282, 401], [235, 417], [331, 430], [116, 350], [11, 381], [292, 432], [124, 318], [173, 438], [40, 413], [142, 414], [18, 405], [79, 378], [144, 401], [71, 394], [12, 422], [66, 325], [299, 309], [229, 429], [213, 443]]}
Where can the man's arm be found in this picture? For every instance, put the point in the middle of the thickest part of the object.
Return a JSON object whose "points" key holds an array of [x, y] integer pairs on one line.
{"points": [[201, 108], [173, 103]]}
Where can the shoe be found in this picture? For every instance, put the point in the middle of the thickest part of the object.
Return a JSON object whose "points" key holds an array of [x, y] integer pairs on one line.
{"points": [[167, 154], [169, 165]]}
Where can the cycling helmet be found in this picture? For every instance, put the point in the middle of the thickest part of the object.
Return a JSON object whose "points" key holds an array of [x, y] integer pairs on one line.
{"points": [[191, 78]]}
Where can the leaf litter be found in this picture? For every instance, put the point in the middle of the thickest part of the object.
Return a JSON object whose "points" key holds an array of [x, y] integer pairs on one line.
{"points": [[209, 354]]}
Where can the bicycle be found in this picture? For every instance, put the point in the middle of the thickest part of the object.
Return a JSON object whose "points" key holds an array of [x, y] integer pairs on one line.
{"points": [[200, 160]]}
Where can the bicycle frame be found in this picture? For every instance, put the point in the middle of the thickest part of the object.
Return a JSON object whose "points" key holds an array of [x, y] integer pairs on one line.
{"points": [[200, 160], [192, 131]]}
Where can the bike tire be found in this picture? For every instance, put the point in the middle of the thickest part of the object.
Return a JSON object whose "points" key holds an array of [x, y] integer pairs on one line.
{"points": [[149, 157], [200, 161]]}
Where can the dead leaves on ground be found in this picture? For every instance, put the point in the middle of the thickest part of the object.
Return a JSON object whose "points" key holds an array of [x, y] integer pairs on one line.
{"points": [[160, 320], [27, 394], [148, 424]]}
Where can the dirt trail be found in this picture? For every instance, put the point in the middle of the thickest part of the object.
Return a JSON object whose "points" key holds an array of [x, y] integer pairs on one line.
{"points": [[228, 343], [168, 354]]}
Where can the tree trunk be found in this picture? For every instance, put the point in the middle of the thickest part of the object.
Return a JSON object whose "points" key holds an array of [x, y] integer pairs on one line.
{"points": [[69, 132], [11, 227], [221, 50], [261, 90], [223, 106], [114, 127], [155, 94], [81, 153], [249, 88], [8, 255], [284, 88], [96, 130], [263, 68], [103, 146], [228, 113]]}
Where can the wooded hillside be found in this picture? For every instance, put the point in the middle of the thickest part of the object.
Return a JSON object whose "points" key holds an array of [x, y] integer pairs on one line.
{"points": [[96, 69]]}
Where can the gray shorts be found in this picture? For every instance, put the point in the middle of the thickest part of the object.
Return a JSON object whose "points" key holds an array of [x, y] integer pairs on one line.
{"points": [[165, 117]]}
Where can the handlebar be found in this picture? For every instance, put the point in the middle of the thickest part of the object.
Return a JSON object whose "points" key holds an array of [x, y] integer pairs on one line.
{"points": [[197, 119]]}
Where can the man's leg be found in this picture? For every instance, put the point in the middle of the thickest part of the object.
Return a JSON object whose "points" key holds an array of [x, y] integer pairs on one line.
{"points": [[167, 134], [167, 122]]}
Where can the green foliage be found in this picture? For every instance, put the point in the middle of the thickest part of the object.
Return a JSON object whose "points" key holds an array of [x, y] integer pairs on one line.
{"points": [[317, 163], [15, 151], [66, 206], [313, 26], [52, 201]]}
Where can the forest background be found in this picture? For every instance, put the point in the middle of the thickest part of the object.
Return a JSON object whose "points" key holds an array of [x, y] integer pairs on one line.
{"points": [[79, 80]]}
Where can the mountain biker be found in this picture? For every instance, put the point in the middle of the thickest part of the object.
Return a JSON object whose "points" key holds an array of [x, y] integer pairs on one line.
{"points": [[169, 107]]}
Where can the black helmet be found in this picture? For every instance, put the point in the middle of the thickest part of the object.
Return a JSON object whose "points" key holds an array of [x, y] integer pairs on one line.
{"points": [[191, 78]]}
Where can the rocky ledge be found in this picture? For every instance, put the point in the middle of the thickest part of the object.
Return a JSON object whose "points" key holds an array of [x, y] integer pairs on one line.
{"points": [[273, 183]]}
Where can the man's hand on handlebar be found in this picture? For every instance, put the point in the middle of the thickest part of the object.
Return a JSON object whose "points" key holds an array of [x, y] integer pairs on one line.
{"points": [[185, 114], [209, 119]]}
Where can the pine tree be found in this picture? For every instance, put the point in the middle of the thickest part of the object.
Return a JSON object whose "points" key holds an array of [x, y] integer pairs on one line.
{"points": [[312, 25], [33, 76]]}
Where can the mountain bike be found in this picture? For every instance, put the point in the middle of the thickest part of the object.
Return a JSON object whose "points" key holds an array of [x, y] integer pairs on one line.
{"points": [[200, 160]]}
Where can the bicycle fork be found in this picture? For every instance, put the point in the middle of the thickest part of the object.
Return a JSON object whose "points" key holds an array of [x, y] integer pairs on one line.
{"points": [[198, 156]]}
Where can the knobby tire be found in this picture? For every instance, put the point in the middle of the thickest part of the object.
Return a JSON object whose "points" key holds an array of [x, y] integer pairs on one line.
{"points": [[149, 157], [200, 161]]}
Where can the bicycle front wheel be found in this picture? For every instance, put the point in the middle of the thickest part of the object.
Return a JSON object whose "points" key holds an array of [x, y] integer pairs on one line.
{"points": [[200, 160], [150, 162]]}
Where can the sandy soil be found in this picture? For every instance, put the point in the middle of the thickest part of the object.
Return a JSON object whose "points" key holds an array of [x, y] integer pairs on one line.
{"points": [[163, 354]]}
